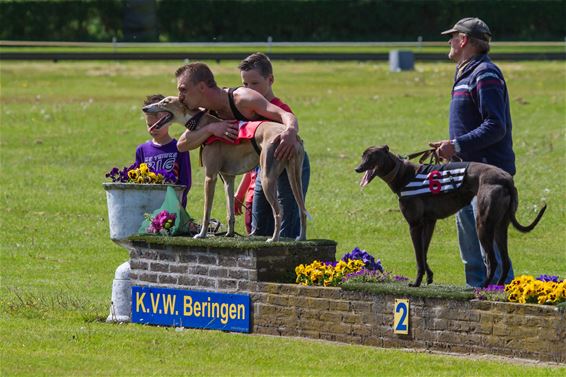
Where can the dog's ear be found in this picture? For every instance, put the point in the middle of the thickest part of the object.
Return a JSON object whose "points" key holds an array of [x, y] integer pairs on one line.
{"points": [[386, 148]]}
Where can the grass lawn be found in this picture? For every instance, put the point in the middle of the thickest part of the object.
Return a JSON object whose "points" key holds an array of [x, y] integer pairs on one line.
{"points": [[63, 125], [426, 47]]}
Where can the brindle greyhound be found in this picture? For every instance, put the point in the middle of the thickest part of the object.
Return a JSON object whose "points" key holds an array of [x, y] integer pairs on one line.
{"points": [[497, 203], [229, 160]]}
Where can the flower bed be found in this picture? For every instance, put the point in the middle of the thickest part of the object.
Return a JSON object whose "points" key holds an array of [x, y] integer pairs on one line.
{"points": [[357, 264], [525, 289], [326, 273], [360, 271], [140, 173]]}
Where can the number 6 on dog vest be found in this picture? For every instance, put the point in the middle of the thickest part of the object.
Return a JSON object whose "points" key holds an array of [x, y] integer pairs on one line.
{"points": [[435, 179], [433, 184]]}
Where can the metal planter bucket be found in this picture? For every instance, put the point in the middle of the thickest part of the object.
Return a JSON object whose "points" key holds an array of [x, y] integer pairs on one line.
{"points": [[128, 202]]}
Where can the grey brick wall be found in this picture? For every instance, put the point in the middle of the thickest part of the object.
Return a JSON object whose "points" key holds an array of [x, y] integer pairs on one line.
{"points": [[495, 328], [220, 269]]}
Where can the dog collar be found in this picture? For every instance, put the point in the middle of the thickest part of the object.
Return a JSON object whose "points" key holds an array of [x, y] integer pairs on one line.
{"points": [[388, 178], [192, 123]]}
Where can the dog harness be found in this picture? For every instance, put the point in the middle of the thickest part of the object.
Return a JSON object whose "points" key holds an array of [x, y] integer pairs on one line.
{"points": [[435, 179], [246, 131]]}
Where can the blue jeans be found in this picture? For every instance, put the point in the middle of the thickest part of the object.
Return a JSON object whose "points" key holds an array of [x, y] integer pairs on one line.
{"points": [[262, 214], [471, 251]]}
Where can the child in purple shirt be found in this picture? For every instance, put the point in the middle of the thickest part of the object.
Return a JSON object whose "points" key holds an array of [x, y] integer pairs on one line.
{"points": [[161, 151]]}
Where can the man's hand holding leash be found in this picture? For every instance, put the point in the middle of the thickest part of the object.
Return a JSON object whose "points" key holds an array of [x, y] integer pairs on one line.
{"points": [[445, 148]]}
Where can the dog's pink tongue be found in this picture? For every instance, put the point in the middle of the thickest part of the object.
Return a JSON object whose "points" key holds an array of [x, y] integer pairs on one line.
{"points": [[157, 125], [365, 179]]}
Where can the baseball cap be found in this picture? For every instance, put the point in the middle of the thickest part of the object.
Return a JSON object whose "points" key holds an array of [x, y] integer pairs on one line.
{"points": [[472, 26]]}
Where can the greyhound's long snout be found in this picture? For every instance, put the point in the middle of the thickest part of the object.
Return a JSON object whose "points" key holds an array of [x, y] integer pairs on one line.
{"points": [[362, 167], [151, 108]]}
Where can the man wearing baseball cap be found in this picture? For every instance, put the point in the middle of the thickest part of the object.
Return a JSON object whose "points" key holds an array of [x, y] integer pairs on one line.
{"points": [[480, 129]]}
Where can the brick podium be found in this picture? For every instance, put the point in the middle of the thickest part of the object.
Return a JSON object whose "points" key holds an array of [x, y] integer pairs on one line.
{"points": [[280, 307], [221, 265]]}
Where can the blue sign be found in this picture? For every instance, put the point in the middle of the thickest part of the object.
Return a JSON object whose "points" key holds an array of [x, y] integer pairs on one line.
{"points": [[204, 310]]}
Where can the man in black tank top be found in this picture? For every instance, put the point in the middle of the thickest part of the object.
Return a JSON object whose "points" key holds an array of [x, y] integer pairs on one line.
{"points": [[197, 88], [233, 107]]}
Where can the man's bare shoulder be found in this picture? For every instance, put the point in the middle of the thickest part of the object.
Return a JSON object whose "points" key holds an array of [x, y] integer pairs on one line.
{"points": [[247, 94]]}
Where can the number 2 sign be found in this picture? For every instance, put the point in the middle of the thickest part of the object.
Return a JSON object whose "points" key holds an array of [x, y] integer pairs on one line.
{"points": [[401, 317]]}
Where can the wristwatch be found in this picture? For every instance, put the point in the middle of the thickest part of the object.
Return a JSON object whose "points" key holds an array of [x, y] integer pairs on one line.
{"points": [[456, 145]]}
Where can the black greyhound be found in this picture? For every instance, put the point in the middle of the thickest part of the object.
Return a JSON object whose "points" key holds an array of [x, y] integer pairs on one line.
{"points": [[496, 195]]}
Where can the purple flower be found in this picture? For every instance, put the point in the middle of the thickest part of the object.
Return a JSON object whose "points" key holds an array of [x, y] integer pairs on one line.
{"points": [[168, 176], [365, 257], [162, 223], [480, 294], [495, 288], [114, 174], [357, 273], [547, 278], [492, 292], [400, 278], [121, 176]]}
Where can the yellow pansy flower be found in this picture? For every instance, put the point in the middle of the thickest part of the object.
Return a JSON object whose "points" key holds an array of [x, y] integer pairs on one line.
{"points": [[133, 174], [529, 290], [513, 297], [143, 168]]}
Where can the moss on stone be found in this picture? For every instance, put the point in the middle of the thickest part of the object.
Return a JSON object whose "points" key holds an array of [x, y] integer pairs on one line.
{"points": [[238, 242], [403, 289]]}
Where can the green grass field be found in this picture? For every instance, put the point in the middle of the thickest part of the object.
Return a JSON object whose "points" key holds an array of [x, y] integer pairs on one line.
{"points": [[425, 47], [63, 125]]}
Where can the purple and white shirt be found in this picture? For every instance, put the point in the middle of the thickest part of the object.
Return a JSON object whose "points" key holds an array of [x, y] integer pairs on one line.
{"points": [[167, 157]]}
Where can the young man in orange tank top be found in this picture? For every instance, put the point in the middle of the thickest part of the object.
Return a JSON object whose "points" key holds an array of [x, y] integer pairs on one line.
{"points": [[256, 72]]}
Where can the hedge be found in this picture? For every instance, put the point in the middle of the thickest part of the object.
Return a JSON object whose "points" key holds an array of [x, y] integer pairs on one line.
{"points": [[284, 20]]}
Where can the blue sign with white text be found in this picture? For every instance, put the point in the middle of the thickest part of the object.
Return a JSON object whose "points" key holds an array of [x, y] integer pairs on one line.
{"points": [[204, 310]]}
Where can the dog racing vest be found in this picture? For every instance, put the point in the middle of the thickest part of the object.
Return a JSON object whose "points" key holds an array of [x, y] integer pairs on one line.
{"points": [[246, 131], [435, 179]]}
